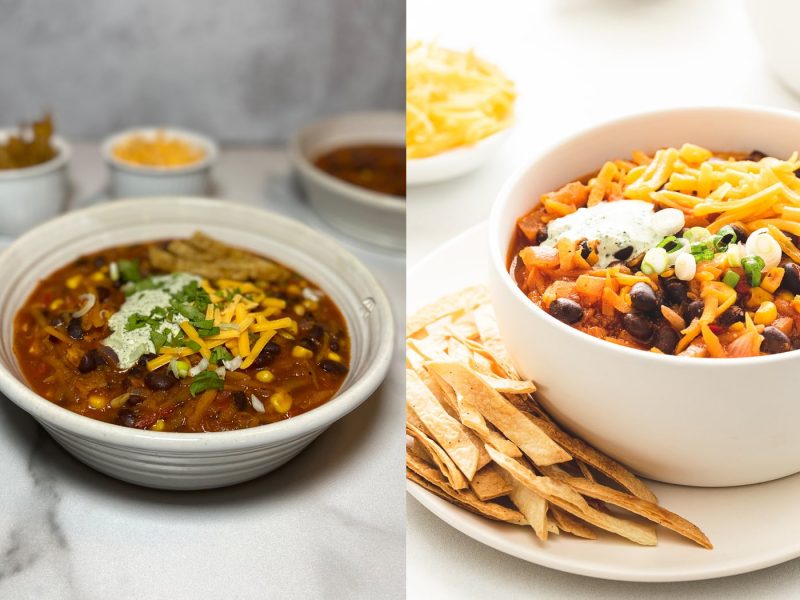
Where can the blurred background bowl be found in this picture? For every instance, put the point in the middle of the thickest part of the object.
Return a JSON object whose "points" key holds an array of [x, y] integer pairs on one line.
{"points": [[774, 23], [370, 216], [32, 195]]}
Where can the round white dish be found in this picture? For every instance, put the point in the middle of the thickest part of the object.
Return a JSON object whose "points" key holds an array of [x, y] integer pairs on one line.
{"points": [[453, 163], [32, 195], [743, 541], [195, 460], [706, 422], [376, 218], [130, 181]]}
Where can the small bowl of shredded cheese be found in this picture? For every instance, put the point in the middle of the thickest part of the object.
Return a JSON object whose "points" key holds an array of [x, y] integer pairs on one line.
{"points": [[157, 161], [459, 108]]}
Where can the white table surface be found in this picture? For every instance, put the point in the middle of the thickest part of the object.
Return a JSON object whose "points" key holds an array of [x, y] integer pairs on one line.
{"points": [[576, 63], [329, 524]]}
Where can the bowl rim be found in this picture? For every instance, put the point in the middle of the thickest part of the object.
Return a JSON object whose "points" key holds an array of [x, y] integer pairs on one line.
{"points": [[458, 152], [314, 420], [62, 157], [303, 163], [498, 248], [193, 137]]}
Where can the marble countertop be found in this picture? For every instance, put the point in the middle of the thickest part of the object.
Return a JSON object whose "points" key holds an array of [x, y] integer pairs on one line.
{"points": [[329, 524], [576, 63]]}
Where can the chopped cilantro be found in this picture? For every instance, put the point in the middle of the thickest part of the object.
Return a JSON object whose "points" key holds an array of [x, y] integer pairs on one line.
{"points": [[135, 321], [129, 270], [193, 345], [207, 380], [218, 354], [158, 338]]}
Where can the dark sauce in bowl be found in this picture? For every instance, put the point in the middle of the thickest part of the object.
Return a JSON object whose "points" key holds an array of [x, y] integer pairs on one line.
{"points": [[377, 167]]}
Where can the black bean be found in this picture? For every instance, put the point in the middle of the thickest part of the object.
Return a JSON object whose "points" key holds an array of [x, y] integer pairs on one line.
{"points": [[643, 298], [775, 341], [333, 367], [675, 290], [694, 309], [665, 339], [566, 310], [74, 329], [309, 343], [541, 235], [756, 155], [240, 400], [87, 363], [267, 355], [334, 345], [160, 380], [99, 262], [741, 234], [796, 173], [145, 358], [734, 314], [586, 250], [135, 399], [106, 356], [638, 326], [624, 253], [103, 293], [791, 277], [126, 417]]}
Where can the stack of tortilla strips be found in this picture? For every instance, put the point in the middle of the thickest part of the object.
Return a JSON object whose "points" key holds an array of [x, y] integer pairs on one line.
{"points": [[479, 439]]}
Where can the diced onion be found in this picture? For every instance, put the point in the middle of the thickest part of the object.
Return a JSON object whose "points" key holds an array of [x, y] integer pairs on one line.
{"points": [[761, 243], [683, 249], [734, 254], [668, 221], [655, 261], [233, 363], [113, 271], [257, 404], [88, 302], [198, 368], [685, 267], [173, 366], [313, 295], [220, 371]]}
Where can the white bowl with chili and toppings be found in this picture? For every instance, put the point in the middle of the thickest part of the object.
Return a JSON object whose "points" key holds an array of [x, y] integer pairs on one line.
{"points": [[159, 161], [138, 380], [575, 323]]}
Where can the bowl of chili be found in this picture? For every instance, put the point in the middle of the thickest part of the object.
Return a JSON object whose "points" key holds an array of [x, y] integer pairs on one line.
{"points": [[671, 415], [151, 368]]}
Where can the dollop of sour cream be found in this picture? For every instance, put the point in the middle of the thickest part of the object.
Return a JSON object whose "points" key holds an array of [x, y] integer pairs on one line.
{"points": [[130, 345], [614, 225]]}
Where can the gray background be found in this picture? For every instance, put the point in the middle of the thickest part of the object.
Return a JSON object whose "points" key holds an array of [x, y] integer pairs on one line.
{"points": [[240, 70]]}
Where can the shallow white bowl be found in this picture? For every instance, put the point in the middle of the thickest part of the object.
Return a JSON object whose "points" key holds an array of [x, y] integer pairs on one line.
{"points": [[32, 195], [195, 460], [453, 163], [376, 218], [130, 181], [704, 422]]}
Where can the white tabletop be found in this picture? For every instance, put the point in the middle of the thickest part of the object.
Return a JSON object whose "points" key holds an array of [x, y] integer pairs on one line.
{"points": [[576, 63], [329, 524]]}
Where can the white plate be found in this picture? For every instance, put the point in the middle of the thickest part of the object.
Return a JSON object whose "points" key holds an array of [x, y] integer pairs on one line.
{"points": [[453, 163], [5, 241], [751, 527]]}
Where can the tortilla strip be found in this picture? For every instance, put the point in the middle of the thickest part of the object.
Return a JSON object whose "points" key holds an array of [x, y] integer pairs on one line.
{"points": [[585, 470], [489, 333], [446, 430], [509, 386], [572, 524], [440, 458], [643, 508], [461, 300], [500, 412], [466, 498], [607, 466], [533, 506], [565, 497], [489, 483]]}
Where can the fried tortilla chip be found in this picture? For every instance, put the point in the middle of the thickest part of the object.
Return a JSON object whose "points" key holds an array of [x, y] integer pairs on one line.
{"points": [[565, 497], [509, 386], [432, 478], [502, 414], [440, 458], [533, 506], [446, 430], [489, 483], [466, 299], [572, 524]]}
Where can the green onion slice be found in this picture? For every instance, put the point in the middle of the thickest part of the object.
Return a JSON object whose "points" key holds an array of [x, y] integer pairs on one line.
{"points": [[731, 279], [753, 265]]}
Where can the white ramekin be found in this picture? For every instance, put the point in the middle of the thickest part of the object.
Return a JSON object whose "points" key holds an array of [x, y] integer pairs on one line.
{"points": [[195, 460], [32, 195], [376, 218], [131, 181], [703, 422]]}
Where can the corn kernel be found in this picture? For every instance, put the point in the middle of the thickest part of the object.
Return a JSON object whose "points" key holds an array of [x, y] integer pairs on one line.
{"points": [[293, 290], [281, 402], [334, 356], [98, 276], [74, 281], [757, 297], [299, 310], [56, 304], [97, 402], [265, 376], [772, 279], [158, 425], [273, 302], [766, 313], [736, 327], [310, 305], [300, 352]]}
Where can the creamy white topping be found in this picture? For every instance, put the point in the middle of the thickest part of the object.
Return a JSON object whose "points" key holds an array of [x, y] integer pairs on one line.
{"points": [[615, 226], [130, 345]]}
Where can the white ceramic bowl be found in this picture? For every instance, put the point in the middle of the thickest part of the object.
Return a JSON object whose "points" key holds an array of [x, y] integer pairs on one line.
{"points": [[453, 163], [32, 195], [195, 460], [376, 218], [703, 422], [131, 181]]}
